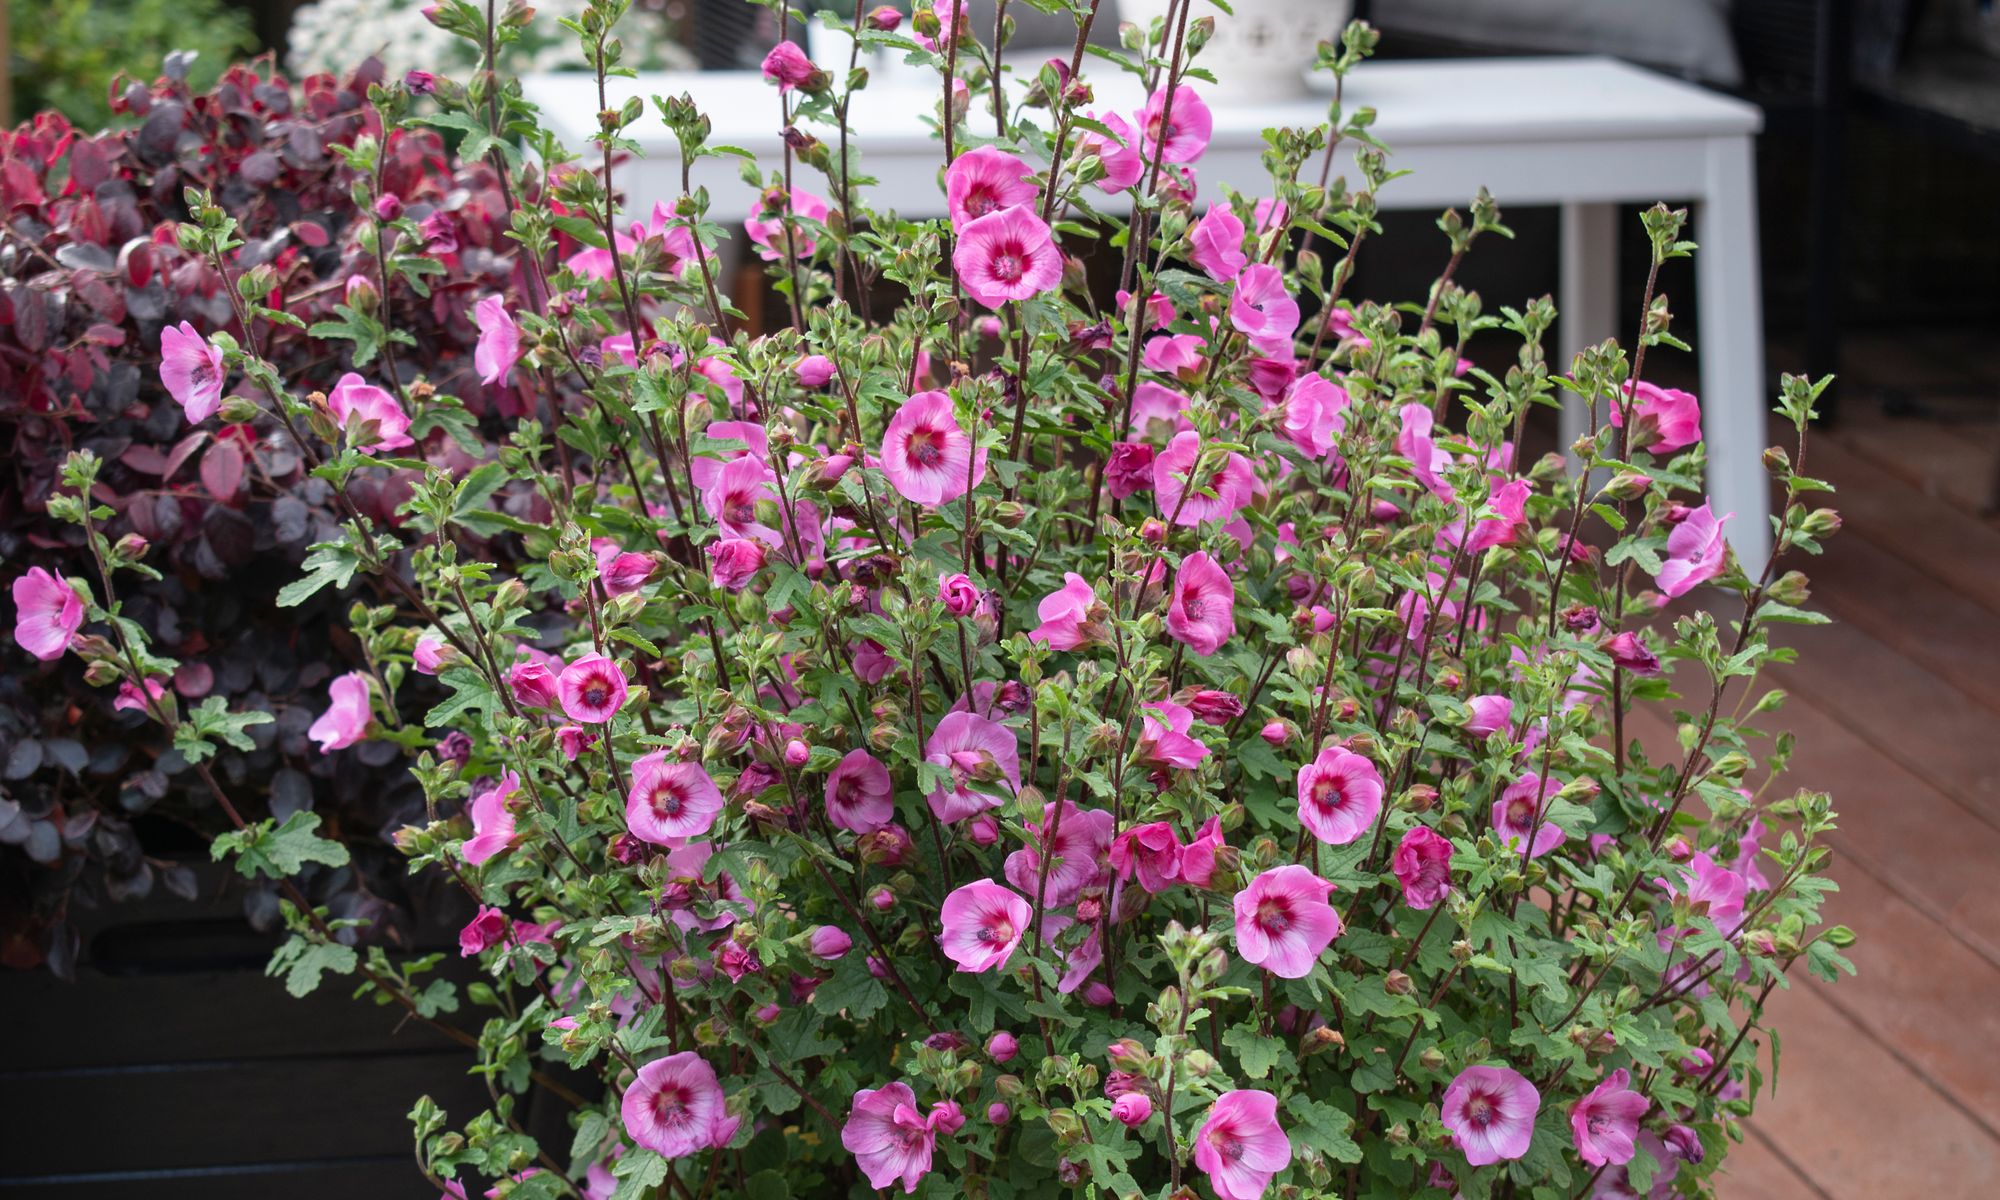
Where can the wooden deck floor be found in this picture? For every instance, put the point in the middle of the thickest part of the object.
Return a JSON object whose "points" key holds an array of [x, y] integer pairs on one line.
{"points": [[1890, 1081]]}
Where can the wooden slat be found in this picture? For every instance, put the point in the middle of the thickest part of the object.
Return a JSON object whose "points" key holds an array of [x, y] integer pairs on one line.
{"points": [[1860, 1123], [1899, 709], [199, 1115], [375, 1179], [1948, 634], [98, 1022], [1756, 1170], [1941, 541]]}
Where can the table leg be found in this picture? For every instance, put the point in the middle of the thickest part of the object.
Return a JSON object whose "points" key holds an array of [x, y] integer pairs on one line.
{"points": [[1730, 346], [1587, 304]]}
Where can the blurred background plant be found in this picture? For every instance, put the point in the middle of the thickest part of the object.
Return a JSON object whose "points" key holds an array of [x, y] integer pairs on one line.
{"points": [[64, 51]]}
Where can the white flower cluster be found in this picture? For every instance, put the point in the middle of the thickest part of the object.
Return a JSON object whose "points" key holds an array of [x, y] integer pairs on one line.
{"points": [[335, 35]]}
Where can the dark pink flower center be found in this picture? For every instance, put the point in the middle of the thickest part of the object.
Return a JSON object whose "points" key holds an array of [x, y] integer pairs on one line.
{"points": [[200, 374], [670, 1106], [996, 931], [595, 693], [1010, 263], [1274, 915], [1520, 813], [1326, 792], [982, 201], [667, 800], [927, 447], [1480, 1110], [1226, 1144]]}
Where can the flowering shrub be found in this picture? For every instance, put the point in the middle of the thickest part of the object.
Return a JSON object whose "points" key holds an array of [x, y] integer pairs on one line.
{"points": [[96, 289], [979, 738]]}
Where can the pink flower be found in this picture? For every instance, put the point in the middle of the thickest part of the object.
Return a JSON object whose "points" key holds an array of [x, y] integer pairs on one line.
{"points": [[492, 821], [1263, 307], [1283, 921], [675, 1107], [1152, 852], [1490, 715], [576, 741], [1426, 459], [1129, 469], [1179, 135], [1164, 741], [355, 399], [1007, 255], [192, 371], [1076, 841], [732, 495], [592, 689], [1674, 417], [985, 181], [1315, 414], [1177, 354], [1713, 890], [1119, 153], [1216, 243], [484, 931], [1240, 1146], [47, 613], [859, 795], [499, 345], [1132, 1109], [961, 596], [1203, 613], [131, 699], [346, 719], [1509, 503], [927, 455], [813, 370], [734, 562], [429, 656], [1606, 1120], [533, 684], [1695, 552], [983, 922], [1423, 866], [830, 942], [872, 663], [888, 1137], [670, 801], [788, 67], [1629, 652], [979, 754], [1490, 1112], [1067, 622], [1340, 795], [621, 571], [1515, 814], [1197, 865], [768, 231], [1229, 484], [1157, 405]]}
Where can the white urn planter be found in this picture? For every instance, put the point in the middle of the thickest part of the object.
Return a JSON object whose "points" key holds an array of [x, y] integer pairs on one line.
{"points": [[1263, 52]]}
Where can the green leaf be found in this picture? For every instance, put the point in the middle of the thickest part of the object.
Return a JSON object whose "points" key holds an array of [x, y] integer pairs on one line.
{"points": [[1324, 1128], [329, 563], [302, 962], [852, 989], [1257, 1052], [279, 853], [639, 1172], [196, 736]]}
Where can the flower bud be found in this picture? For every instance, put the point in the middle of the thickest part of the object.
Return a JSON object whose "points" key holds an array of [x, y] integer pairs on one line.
{"points": [[998, 1113], [1397, 984], [797, 753], [830, 942], [881, 899], [1132, 1109], [1432, 1059], [885, 18]]}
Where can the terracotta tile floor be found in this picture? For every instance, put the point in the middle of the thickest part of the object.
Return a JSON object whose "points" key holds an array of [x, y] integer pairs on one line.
{"points": [[1890, 1081]]}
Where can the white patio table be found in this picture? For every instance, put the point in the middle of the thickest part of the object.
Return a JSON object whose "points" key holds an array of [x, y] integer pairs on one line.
{"points": [[1588, 134]]}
